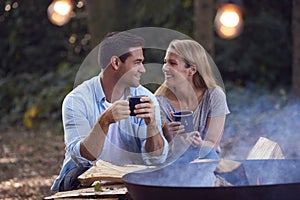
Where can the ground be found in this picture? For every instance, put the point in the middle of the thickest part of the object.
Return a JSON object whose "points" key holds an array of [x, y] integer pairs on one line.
{"points": [[29, 162]]}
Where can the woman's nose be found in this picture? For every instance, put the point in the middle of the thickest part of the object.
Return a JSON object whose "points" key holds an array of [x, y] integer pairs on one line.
{"points": [[165, 68]]}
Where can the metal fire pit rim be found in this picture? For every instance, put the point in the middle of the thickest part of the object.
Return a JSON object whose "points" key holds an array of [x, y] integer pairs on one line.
{"points": [[204, 187], [127, 180]]}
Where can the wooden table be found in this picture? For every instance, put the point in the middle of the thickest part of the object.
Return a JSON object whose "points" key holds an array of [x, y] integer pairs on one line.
{"points": [[110, 177], [115, 191]]}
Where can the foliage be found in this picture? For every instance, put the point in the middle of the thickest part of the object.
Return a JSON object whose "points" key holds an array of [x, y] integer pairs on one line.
{"points": [[262, 53], [34, 98], [32, 43], [172, 14], [39, 60]]}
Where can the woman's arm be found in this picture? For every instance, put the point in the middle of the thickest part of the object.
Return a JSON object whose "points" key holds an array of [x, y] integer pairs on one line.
{"points": [[214, 131]]}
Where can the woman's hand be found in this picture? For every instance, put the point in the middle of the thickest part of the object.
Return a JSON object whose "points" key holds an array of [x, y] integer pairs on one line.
{"points": [[172, 129], [195, 139]]}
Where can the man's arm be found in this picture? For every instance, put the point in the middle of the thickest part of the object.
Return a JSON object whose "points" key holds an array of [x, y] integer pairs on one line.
{"points": [[154, 142], [91, 146]]}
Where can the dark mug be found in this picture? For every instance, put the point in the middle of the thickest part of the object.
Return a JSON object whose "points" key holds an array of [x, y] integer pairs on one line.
{"points": [[134, 100], [186, 119]]}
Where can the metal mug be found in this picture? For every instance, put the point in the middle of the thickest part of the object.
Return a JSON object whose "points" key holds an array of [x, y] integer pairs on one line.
{"points": [[186, 119]]}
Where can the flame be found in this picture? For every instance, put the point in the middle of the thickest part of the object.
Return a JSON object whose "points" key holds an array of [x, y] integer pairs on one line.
{"points": [[257, 181]]}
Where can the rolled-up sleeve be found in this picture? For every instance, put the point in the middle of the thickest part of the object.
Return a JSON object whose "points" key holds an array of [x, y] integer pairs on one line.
{"points": [[148, 157], [155, 160], [76, 127]]}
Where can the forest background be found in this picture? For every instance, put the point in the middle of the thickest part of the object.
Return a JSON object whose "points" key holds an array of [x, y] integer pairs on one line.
{"points": [[39, 63]]}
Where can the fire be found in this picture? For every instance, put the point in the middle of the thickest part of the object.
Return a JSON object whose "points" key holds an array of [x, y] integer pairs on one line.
{"points": [[257, 181]]}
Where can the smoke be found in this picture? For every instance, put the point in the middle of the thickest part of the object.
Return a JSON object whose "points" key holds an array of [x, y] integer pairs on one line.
{"points": [[185, 175], [255, 113], [204, 174]]}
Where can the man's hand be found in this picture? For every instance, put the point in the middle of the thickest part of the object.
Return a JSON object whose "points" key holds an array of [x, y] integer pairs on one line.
{"points": [[91, 146], [146, 110], [117, 111], [154, 141]]}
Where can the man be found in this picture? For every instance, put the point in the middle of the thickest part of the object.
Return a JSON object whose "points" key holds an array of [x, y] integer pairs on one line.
{"points": [[96, 118]]}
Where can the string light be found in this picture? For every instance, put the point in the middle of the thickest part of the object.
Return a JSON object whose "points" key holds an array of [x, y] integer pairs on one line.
{"points": [[59, 11], [229, 21]]}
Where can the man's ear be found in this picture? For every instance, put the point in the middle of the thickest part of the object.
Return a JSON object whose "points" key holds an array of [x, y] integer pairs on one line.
{"points": [[192, 70], [115, 62]]}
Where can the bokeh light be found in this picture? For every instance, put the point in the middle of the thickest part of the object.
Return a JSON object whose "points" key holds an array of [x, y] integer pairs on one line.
{"points": [[59, 11], [229, 21]]}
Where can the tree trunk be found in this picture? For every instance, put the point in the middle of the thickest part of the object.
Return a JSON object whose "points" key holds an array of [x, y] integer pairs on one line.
{"points": [[203, 24], [296, 49], [105, 17]]}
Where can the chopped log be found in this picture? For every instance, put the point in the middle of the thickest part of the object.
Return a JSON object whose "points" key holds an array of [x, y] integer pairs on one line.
{"points": [[231, 172], [227, 165], [265, 149], [105, 171], [221, 182]]}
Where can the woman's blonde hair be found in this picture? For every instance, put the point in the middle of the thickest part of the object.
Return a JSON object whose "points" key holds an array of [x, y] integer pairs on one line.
{"points": [[193, 54]]}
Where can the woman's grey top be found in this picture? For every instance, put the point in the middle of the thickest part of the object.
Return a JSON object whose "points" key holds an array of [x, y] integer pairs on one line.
{"points": [[212, 104]]}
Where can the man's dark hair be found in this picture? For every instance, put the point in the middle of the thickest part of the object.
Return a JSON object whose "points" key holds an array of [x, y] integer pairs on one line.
{"points": [[117, 44]]}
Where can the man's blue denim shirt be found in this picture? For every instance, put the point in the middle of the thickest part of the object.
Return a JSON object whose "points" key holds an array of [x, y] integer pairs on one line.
{"points": [[81, 109]]}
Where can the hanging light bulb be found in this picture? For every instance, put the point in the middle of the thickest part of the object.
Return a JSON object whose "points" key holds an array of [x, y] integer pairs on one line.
{"points": [[59, 11], [229, 21]]}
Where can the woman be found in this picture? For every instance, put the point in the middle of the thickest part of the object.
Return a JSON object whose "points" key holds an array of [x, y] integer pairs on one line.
{"points": [[191, 84]]}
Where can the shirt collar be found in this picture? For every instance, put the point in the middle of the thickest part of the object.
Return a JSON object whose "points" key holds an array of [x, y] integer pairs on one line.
{"points": [[100, 96]]}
